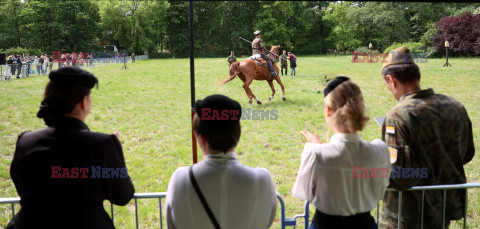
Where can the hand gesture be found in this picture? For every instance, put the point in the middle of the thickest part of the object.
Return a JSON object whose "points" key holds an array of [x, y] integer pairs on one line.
{"points": [[311, 138]]}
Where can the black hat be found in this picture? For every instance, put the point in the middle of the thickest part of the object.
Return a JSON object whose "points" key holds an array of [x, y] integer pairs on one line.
{"points": [[218, 111], [69, 76], [334, 83]]}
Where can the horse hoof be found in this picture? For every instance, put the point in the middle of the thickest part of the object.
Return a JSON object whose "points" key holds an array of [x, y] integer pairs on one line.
{"points": [[284, 98], [270, 98], [250, 101], [259, 102]]}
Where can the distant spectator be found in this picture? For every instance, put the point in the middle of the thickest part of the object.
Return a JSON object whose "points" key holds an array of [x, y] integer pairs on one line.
{"points": [[45, 64], [283, 61], [231, 59], [133, 57], [338, 177], [19, 65], [50, 62], [8, 68], [41, 60], [293, 62], [64, 173], [237, 195], [14, 64]]}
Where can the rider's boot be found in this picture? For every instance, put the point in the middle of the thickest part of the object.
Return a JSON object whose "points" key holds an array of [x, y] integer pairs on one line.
{"points": [[272, 72]]}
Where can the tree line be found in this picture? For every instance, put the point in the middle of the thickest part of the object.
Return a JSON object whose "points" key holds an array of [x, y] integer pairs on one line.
{"points": [[160, 27]]}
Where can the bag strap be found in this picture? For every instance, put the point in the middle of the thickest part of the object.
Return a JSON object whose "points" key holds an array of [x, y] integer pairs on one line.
{"points": [[202, 199]]}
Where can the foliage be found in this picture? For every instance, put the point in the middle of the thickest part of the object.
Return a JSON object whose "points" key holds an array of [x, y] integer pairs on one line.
{"points": [[415, 47], [151, 26], [20, 51], [462, 32]]}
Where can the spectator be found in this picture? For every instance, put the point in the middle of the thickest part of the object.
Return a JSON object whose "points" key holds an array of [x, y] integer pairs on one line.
{"points": [[8, 68], [117, 57], [29, 65], [428, 132], [284, 63], [293, 63], [45, 64], [49, 164], [24, 67], [237, 195], [19, 65], [133, 57], [41, 60], [14, 65], [332, 175], [50, 62], [63, 60]]}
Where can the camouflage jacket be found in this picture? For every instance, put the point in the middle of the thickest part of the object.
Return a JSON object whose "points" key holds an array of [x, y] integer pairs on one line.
{"points": [[231, 59], [258, 46], [284, 59], [430, 135]]}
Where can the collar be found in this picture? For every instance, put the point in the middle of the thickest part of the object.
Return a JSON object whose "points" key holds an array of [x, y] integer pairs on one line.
{"points": [[343, 137], [71, 123], [417, 94], [230, 155]]}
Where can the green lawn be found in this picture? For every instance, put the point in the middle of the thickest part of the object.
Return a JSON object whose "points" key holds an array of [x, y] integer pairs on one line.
{"points": [[150, 105]]}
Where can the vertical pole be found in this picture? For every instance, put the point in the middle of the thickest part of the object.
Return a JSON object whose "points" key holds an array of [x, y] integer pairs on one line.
{"points": [[192, 80]]}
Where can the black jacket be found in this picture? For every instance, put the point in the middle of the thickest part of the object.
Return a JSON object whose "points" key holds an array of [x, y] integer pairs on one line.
{"points": [[73, 202]]}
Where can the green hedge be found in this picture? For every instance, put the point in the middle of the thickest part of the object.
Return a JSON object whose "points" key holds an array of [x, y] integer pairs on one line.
{"points": [[415, 47], [20, 51]]}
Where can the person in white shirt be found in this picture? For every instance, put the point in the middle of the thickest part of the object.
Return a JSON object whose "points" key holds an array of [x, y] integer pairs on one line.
{"points": [[237, 195], [345, 178]]}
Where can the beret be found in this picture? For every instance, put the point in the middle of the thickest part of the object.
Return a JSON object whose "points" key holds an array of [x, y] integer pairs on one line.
{"points": [[334, 83], [70, 76], [214, 105], [400, 55]]}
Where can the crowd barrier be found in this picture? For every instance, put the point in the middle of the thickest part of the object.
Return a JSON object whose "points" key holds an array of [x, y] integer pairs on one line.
{"points": [[31, 68], [291, 221]]}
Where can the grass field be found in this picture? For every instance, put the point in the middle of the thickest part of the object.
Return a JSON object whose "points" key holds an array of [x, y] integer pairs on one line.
{"points": [[150, 105]]}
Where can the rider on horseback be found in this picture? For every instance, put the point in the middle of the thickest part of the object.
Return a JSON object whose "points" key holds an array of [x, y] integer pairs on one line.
{"points": [[259, 48]]}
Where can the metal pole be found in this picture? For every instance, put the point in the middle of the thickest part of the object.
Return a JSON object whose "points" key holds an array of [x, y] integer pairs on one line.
{"points": [[192, 80]]}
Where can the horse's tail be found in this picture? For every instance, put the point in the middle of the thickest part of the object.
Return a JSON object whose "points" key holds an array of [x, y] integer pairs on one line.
{"points": [[234, 70]]}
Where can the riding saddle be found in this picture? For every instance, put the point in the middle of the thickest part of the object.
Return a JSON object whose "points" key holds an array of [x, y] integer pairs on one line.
{"points": [[258, 60]]}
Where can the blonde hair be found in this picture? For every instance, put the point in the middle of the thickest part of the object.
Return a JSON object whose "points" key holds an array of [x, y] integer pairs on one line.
{"points": [[348, 106]]}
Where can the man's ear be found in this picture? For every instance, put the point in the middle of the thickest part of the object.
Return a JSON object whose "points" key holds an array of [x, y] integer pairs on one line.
{"points": [[392, 79], [83, 103]]}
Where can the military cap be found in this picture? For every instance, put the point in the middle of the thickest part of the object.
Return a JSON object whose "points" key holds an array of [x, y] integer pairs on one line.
{"points": [[400, 55], [256, 33]]}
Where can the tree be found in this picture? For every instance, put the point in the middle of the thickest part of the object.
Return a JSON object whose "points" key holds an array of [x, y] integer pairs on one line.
{"points": [[462, 32]]}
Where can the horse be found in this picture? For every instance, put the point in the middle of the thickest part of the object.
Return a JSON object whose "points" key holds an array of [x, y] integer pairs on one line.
{"points": [[247, 70]]}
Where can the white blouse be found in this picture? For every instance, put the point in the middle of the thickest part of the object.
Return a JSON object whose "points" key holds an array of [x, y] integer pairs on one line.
{"points": [[344, 177], [239, 196]]}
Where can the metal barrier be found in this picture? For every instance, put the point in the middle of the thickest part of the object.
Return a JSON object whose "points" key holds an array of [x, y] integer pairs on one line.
{"points": [[433, 187], [284, 221], [289, 221]]}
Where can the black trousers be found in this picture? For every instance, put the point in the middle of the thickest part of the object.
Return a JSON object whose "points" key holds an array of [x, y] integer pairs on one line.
{"points": [[358, 221]]}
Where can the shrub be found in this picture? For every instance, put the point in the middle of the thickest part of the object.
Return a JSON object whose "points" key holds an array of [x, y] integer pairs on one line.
{"points": [[415, 47]]}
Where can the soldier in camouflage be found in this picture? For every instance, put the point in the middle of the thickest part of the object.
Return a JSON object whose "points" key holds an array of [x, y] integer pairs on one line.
{"points": [[284, 62], [259, 48], [424, 131], [231, 59]]}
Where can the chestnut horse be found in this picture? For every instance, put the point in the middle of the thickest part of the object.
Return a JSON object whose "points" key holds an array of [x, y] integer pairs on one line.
{"points": [[248, 71]]}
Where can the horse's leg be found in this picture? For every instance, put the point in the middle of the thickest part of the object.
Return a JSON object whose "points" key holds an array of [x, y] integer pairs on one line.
{"points": [[279, 81], [270, 83], [250, 94]]}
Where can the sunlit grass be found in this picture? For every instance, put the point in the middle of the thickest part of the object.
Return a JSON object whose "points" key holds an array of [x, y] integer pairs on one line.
{"points": [[150, 105]]}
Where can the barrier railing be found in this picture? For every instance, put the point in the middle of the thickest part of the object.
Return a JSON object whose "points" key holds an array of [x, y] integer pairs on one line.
{"points": [[10, 70], [291, 221]]}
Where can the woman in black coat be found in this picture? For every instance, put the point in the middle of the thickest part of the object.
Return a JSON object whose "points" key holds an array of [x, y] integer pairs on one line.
{"points": [[63, 173]]}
